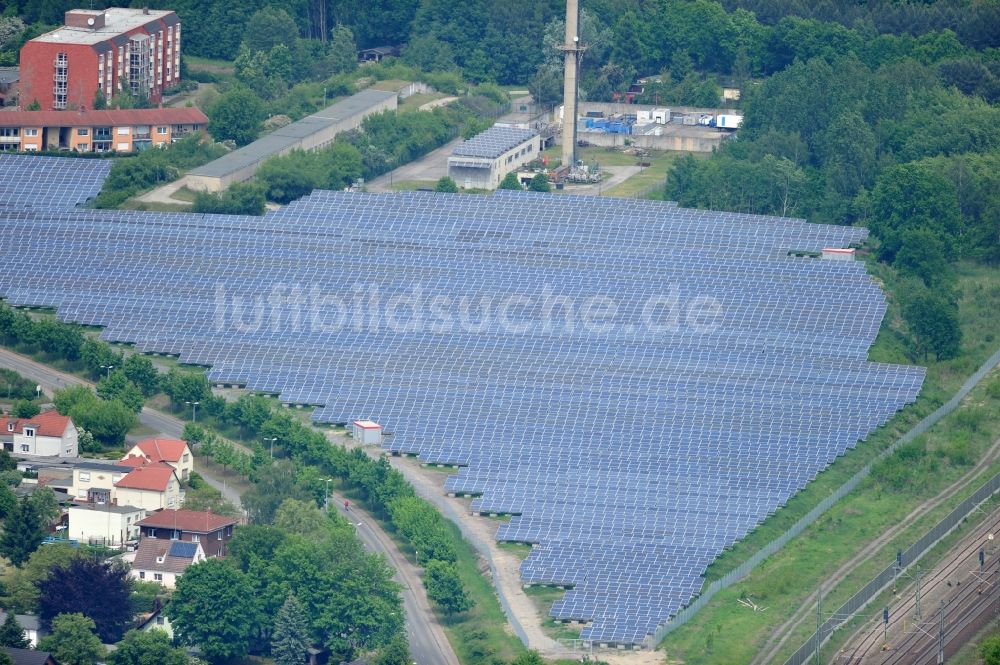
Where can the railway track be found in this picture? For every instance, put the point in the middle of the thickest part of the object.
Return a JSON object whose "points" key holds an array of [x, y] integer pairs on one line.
{"points": [[957, 598]]}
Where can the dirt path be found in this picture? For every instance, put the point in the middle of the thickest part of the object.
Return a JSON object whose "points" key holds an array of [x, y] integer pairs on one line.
{"points": [[806, 611], [505, 567]]}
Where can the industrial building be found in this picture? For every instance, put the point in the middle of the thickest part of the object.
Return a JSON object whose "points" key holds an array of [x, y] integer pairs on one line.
{"points": [[484, 160], [309, 133], [97, 131], [685, 129], [106, 51]]}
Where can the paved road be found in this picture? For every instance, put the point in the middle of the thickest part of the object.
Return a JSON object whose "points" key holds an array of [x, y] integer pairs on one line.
{"points": [[428, 643], [430, 167]]}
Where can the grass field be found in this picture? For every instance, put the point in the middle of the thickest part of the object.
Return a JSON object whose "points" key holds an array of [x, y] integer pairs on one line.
{"points": [[197, 64], [725, 629], [650, 179]]}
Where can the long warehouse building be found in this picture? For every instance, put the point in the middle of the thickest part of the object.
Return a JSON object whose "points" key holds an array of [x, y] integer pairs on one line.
{"points": [[310, 133]]}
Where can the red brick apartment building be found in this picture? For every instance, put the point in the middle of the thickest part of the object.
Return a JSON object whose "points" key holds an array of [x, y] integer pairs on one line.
{"points": [[102, 50]]}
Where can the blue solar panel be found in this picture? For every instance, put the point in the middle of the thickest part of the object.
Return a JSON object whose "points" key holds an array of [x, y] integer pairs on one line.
{"points": [[50, 182], [183, 549], [630, 453]]}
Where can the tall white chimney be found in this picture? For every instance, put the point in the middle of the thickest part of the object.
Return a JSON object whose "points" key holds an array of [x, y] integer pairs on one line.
{"points": [[570, 85]]}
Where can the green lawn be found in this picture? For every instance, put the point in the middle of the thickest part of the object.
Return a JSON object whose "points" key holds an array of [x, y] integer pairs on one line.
{"points": [[651, 178], [197, 64]]}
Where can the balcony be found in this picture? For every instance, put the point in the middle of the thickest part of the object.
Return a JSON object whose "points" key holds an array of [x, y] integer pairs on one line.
{"points": [[60, 78]]}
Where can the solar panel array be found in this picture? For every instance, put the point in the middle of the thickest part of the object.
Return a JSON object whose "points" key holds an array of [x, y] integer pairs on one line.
{"points": [[48, 182], [494, 142], [638, 384]]}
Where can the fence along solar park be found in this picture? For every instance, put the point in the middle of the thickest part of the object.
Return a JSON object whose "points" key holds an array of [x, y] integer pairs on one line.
{"points": [[629, 454]]}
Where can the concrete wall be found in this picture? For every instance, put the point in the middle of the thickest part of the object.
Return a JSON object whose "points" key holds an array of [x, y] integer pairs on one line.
{"points": [[679, 141]]}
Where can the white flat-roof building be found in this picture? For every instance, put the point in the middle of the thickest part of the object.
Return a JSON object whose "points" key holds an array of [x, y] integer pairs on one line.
{"points": [[484, 160], [366, 432], [109, 524]]}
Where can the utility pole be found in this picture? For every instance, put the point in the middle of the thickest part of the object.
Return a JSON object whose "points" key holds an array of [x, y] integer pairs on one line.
{"points": [[940, 655], [819, 622], [920, 574]]}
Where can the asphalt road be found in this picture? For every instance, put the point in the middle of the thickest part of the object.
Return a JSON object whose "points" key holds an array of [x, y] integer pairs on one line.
{"points": [[428, 644]]}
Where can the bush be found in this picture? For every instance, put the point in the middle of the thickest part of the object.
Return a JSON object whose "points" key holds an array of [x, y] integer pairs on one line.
{"points": [[238, 199], [25, 409]]}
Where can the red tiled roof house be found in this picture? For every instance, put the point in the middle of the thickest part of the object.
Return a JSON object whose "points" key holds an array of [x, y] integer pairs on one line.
{"points": [[174, 452], [150, 487], [46, 435], [210, 530]]}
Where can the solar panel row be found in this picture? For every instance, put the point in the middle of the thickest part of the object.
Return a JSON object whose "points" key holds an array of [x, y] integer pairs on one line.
{"points": [[638, 384]]}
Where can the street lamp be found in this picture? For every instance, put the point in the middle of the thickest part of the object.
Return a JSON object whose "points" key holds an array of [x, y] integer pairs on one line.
{"points": [[109, 368], [38, 391], [194, 410], [326, 505], [272, 440]]}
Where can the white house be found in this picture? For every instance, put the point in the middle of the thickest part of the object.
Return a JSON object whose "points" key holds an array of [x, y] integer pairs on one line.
{"points": [[174, 452], [114, 525], [29, 624], [46, 435], [93, 481], [163, 561], [151, 487], [484, 160]]}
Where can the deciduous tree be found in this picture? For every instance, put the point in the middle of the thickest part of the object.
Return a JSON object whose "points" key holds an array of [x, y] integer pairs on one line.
{"points": [[93, 588], [445, 588], [214, 608], [147, 648], [510, 182], [236, 116], [72, 641]]}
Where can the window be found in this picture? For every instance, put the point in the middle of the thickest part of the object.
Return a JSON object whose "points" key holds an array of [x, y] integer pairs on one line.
{"points": [[10, 426], [142, 574], [159, 621], [84, 477], [158, 577], [123, 131], [29, 431], [195, 538], [81, 494], [163, 130], [25, 448], [186, 456], [83, 131], [175, 535]]}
